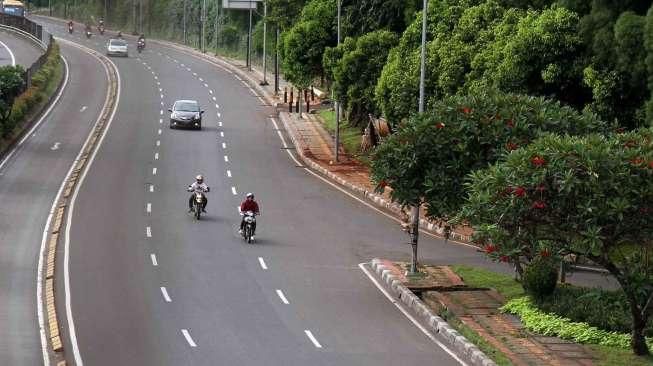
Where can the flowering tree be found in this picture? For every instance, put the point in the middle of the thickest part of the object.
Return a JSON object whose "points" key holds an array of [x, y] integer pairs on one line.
{"points": [[588, 196], [427, 160]]}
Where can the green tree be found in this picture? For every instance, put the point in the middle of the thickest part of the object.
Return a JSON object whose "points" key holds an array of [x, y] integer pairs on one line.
{"points": [[303, 45], [11, 85], [365, 16], [356, 71], [428, 159], [589, 196], [284, 12]]}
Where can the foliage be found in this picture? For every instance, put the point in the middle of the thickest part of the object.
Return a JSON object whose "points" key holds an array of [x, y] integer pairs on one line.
{"points": [[428, 159], [284, 12], [303, 45], [356, 70], [11, 84], [588, 196], [540, 277], [553, 325], [604, 309], [476, 44], [365, 16]]}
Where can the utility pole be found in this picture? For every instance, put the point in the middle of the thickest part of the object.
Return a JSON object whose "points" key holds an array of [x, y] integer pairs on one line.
{"points": [[106, 16], [249, 39], [50, 7], [185, 36], [422, 76], [216, 34], [336, 151], [203, 19], [276, 61], [265, 32], [140, 16]]}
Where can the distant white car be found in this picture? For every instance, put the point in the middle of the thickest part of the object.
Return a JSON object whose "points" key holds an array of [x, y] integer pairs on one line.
{"points": [[117, 47]]}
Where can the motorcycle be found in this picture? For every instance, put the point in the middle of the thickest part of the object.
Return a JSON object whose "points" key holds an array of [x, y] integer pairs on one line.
{"points": [[140, 45], [198, 203], [88, 34], [70, 29], [101, 29], [248, 229]]}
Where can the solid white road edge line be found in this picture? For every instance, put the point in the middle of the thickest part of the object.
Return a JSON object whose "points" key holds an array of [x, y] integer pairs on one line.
{"points": [[11, 54], [188, 338], [408, 315], [154, 261], [282, 297], [312, 338], [69, 218], [164, 292], [262, 263], [46, 229]]}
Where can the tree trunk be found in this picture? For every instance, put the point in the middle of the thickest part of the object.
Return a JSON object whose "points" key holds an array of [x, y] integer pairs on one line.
{"points": [[638, 341]]}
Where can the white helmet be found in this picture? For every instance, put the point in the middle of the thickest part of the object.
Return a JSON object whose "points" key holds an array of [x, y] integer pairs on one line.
{"points": [[199, 178], [249, 195]]}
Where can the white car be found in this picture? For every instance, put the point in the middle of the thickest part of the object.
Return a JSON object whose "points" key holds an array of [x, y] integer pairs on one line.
{"points": [[117, 47]]}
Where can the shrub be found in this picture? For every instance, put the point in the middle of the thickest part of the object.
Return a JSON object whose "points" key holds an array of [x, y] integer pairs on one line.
{"points": [[603, 309], [540, 277]]}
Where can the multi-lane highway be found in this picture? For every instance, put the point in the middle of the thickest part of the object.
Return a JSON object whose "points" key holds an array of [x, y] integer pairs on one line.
{"points": [[149, 285], [17, 50]]}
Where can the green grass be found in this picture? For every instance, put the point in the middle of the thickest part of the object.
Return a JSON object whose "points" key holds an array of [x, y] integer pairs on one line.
{"points": [[350, 137], [476, 277], [610, 356]]}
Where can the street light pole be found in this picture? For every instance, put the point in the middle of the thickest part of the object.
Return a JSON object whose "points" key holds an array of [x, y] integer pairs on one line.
{"points": [[422, 76], [336, 149], [215, 30], [265, 31], [203, 19], [249, 39], [185, 37]]}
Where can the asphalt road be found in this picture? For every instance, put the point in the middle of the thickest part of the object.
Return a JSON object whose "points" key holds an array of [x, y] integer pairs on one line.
{"points": [[152, 286], [29, 181], [18, 50]]}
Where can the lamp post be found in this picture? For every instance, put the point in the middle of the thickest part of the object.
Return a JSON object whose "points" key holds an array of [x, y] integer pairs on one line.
{"points": [[422, 76], [337, 139], [185, 36], [265, 31], [249, 39], [217, 16], [203, 20]]}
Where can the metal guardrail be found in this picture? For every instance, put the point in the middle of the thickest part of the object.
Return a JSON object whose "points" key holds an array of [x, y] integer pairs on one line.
{"points": [[38, 33]]}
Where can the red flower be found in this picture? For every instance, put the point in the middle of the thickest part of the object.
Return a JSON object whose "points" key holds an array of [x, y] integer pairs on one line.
{"points": [[504, 258], [519, 192], [466, 110], [512, 146], [538, 205], [637, 161], [538, 161], [439, 125], [544, 253], [489, 249], [510, 123]]}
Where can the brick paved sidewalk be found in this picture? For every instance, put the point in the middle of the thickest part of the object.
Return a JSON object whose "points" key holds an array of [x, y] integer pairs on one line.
{"points": [[442, 290]]}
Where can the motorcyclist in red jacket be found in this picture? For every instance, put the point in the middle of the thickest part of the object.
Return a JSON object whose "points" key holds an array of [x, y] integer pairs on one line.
{"points": [[248, 205]]}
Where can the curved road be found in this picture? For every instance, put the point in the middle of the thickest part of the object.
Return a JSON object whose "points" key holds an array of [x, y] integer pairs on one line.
{"points": [[15, 49], [29, 180], [151, 286]]}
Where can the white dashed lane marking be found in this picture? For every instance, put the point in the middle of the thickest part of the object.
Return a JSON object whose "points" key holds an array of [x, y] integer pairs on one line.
{"points": [[310, 336], [154, 261], [148, 232], [233, 190], [262, 263], [282, 297], [164, 292], [188, 338]]}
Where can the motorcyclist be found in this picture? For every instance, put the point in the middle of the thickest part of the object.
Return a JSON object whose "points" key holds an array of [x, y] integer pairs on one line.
{"points": [[70, 25], [141, 38], [100, 26], [88, 28], [248, 205], [198, 186]]}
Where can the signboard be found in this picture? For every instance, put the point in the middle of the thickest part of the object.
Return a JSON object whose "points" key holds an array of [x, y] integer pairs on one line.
{"points": [[240, 4]]}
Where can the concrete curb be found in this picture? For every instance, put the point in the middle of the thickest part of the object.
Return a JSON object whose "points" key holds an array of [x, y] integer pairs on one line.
{"points": [[466, 349], [90, 145]]}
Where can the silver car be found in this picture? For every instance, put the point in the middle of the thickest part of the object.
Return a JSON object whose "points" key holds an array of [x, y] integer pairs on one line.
{"points": [[117, 47]]}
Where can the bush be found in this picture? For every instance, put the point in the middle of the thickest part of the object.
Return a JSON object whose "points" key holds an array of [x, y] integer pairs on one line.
{"points": [[545, 324], [608, 310], [540, 278]]}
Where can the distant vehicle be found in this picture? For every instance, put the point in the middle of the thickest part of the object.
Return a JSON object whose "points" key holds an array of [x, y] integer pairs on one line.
{"points": [[117, 47], [186, 113], [12, 7]]}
